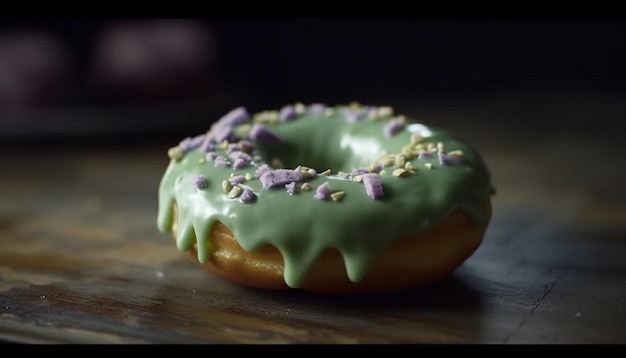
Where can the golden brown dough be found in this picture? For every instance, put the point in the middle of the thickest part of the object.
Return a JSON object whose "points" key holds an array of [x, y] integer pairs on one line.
{"points": [[407, 263]]}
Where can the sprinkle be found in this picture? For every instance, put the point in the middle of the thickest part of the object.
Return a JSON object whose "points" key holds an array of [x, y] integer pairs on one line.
{"points": [[443, 159], [248, 176], [226, 185], [357, 171], [428, 165], [234, 192], [200, 182], [393, 127], [400, 160], [337, 196], [266, 117], [384, 111], [382, 172], [325, 172], [247, 196], [201, 161], [206, 145], [305, 187], [277, 163], [232, 147], [237, 179], [291, 187], [416, 138], [262, 170], [287, 113], [240, 163], [357, 178], [373, 185], [317, 108], [400, 172], [210, 156], [455, 154], [221, 162], [246, 145], [299, 107], [260, 133], [175, 153], [322, 192], [424, 154], [439, 146], [280, 177], [185, 144]]}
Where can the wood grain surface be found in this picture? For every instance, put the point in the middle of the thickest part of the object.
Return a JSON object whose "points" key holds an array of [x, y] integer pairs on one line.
{"points": [[81, 260]]}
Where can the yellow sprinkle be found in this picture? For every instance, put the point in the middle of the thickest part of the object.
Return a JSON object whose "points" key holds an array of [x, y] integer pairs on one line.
{"points": [[372, 168], [384, 111], [337, 196], [342, 174], [234, 192], [402, 118], [456, 153], [243, 130], [409, 166], [387, 162], [358, 178], [382, 172], [408, 152], [176, 153], [431, 147], [277, 163], [224, 144], [226, 185], [400, 160], [325, 172], [439, 146], [416, 138], [354, 105], [299, 107], [428, 165], [420, 146], [400, 172], [257, 158], [201, 161], [248, 176], [305, 187]]}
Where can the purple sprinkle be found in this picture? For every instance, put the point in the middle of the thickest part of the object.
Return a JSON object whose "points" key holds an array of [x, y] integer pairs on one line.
{"points": [[245, 143], [200, 182], [236, 116], [378, 166], [358, 171], [424, 154], [206, 145], [262, 170], [239, 154], [185, 144], [260, 133], [277, 177], [287, 113], [198, 140], [322, 192], [373, 186], [237, 179], [247, 196], [393, 127], [232, 147], [221, 162], [220, 134], [291, 187], [317, 108], [354, 115], [240, 163], [443, 159], [210, 156]]}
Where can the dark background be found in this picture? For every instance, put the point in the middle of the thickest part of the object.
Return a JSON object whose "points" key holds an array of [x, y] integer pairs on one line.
{"points": [[274, 61]]}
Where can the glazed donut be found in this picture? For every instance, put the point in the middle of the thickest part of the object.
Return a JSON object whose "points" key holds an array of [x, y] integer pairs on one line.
{"points": [[337, 200]]}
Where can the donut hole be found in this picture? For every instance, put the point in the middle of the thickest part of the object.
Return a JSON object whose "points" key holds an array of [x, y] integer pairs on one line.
{"points": [[321, 152]]}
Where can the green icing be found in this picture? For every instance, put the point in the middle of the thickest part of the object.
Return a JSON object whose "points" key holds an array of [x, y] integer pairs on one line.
{"points": [[302, 227]]}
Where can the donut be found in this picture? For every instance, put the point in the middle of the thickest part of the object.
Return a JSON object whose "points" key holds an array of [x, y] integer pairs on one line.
{"points": [[339, 200]]}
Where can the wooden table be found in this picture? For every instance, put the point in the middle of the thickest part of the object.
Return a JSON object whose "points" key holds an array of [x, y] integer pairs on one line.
{"points": [[81, 260]]}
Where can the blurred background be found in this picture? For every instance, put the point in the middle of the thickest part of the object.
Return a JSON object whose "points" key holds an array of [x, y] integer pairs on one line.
{"points": [[117, 78]]}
